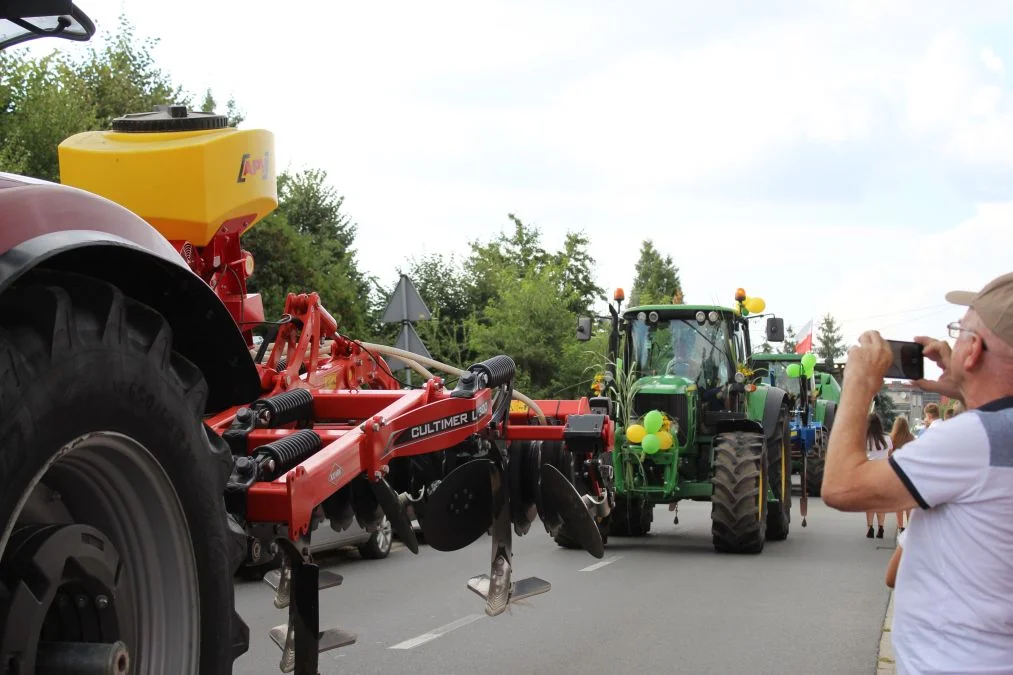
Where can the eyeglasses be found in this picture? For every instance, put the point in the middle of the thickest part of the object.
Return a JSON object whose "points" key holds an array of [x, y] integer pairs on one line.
{"points": [[956, 329]]}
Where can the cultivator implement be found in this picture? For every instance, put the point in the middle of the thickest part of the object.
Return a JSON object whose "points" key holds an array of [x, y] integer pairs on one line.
{"points": [[305, 453]]}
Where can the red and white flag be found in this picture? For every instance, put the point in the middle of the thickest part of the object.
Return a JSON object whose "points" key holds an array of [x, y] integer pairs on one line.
{"points": [[805, 338]]}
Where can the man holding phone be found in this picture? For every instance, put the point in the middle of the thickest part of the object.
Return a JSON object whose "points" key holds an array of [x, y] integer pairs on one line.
{"points": [[953, 608]]}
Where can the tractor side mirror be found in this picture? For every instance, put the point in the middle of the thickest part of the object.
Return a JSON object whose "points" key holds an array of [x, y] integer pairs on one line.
{"points": [[584, 328], [775, 329]]}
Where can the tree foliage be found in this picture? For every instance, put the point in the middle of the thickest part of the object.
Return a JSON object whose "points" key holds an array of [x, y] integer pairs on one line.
{"points": [[657, 278], [44, 101], [886, 408], [829, 339]]}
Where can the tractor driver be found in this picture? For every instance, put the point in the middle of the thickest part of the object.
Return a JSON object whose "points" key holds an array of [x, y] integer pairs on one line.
{"points": [[687, 359]]}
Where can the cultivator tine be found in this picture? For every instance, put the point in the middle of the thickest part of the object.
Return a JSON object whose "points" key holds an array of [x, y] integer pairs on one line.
{"points": [[498, 589], [301, 639], [803, 506], [281, 581], [394, 508]]}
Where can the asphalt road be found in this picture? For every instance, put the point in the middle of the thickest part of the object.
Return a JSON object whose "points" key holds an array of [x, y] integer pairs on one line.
{"points": [[664, 603]]}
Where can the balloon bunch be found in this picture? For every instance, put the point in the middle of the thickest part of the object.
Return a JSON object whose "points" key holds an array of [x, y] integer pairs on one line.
{"points": [[746, 305], [650, 436], [807, 367]]}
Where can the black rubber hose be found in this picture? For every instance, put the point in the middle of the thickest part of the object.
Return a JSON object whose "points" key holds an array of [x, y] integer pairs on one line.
{"points": [[498, 370]]}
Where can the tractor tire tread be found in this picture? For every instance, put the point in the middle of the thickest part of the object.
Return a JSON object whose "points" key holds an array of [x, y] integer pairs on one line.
{"points": [[738, 524]]}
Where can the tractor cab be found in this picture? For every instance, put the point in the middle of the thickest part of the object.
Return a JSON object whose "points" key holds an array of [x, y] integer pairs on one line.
{"points": [[679, 350]]}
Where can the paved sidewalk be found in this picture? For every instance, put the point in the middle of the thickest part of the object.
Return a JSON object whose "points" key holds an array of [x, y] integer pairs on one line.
{"points": [[885, 663]]}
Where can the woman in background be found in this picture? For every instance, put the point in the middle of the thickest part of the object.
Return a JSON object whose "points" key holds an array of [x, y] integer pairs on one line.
{"points": [[899, 436], [877, 447]]}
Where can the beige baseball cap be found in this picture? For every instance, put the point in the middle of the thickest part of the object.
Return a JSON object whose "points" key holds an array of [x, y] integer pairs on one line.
{"points": [[993, 303]]}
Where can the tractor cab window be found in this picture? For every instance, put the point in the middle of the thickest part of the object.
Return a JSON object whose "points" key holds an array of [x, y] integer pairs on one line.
{"points": [[739, 332], [682, 348], [779, 378]]}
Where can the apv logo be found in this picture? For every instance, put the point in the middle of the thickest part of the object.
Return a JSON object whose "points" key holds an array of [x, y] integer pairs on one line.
{"points": [[250, 166]]}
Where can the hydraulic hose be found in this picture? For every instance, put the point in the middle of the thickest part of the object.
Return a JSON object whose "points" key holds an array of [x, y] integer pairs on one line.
{"points": [[408, 357]]}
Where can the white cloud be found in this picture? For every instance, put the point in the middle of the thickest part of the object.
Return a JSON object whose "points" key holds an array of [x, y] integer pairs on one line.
{"points": [[654, 120], [991, 60]]}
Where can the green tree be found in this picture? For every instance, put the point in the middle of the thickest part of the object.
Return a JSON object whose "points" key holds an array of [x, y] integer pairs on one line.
{"points": [[309, 211], [829, 339], [766, 347], [44, 101], [657, 278]]}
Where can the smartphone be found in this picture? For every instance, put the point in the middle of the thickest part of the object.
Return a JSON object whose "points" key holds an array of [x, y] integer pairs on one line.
{"points": [[908, 361]]}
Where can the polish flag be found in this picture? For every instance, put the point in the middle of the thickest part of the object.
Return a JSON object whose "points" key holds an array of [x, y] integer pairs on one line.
{"points": [[805, 335]]}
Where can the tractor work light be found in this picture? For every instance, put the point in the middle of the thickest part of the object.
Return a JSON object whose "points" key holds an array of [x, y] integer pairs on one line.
{"points": [[653, 316], [713, 317], [641, 316], [739, 377], [701, 317]]}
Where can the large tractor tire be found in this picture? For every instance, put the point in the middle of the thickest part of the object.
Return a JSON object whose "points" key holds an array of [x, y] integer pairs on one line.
{"points": [[739, 502], [779, 470], [631, 517], [114, 526]]}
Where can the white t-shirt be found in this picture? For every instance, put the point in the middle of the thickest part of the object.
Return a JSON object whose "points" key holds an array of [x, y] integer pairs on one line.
{"points": [[873, 452], [953, 603]]}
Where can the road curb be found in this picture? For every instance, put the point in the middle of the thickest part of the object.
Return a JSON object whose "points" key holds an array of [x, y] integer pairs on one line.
{"points": [[885, 664]]}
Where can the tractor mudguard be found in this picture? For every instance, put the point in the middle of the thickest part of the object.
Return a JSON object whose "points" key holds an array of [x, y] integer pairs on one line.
{"points": [[58, 227], [764, 406], [771, 409]]}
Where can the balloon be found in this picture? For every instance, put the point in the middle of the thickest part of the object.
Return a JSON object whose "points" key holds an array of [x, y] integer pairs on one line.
{"points": [[651, 444], [808, 363], [652, 421], [666, 439], [755, 305], [744, 311], [635, 433], [794, 370]]}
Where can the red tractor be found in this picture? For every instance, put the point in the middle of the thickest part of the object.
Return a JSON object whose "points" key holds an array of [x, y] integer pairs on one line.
{"points": [[147, 452]]}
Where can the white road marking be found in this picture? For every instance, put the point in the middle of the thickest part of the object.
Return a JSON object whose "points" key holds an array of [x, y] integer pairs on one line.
{"points": [[438, 632], [599, 565]]}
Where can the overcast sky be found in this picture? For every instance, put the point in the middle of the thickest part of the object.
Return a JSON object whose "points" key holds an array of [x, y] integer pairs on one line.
{"points": [[852, 157]]}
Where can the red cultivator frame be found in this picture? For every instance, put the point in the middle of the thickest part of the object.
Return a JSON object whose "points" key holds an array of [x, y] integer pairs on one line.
{"points": [[324, 441]]}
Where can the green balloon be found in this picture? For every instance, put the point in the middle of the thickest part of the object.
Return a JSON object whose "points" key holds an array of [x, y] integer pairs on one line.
{"points": [[809, 363], [651, 444], [794, 370], [653, 421]]}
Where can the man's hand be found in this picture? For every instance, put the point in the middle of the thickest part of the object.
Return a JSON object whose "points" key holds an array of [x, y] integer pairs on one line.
{"points": [[867, 363], [938, 351]]}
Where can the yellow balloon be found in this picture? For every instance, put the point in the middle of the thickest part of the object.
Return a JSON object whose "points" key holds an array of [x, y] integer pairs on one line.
{"points": [[635, 433], [666, 439], [755, 305]]}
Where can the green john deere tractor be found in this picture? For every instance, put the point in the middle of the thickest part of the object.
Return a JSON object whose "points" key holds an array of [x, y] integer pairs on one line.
{"points": [[690, 425], [813, 400]]}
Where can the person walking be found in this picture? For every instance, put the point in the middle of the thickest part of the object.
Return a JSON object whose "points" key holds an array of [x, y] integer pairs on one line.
{"points": [[877, 447], [900, 436], [951, 602]]}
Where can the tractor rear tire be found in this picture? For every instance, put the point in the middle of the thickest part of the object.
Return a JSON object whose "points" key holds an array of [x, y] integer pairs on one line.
{"points": [[739, 502], [112, 494], [779, 471]]}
